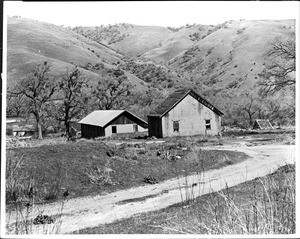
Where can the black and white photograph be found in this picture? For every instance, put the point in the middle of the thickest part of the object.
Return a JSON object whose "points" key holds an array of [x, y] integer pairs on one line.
{"points": [[145, 119]]}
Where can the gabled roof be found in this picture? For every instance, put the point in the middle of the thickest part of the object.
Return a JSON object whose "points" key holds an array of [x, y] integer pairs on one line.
{"points": [[102, 118], [177, 96]]}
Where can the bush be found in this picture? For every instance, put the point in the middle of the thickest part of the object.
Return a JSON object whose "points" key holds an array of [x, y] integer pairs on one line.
{"points": [[9, 131], [241, 30]]}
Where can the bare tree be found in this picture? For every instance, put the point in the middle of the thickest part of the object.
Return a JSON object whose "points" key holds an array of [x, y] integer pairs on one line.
{"points": [[112, 92], [250, 105], [279, 74], [37, 89], [142, 102], [72, 86]]}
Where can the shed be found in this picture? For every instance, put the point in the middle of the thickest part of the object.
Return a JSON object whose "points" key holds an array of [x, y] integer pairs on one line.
{"points": [[24, 130], [184, 113], [262, 124], [20, 126], [108, 122]]}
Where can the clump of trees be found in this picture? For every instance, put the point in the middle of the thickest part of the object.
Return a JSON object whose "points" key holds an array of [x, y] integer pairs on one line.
{"points": [[50, 99], [59, 100], [109, 34], [152, 74], [243, 106]]}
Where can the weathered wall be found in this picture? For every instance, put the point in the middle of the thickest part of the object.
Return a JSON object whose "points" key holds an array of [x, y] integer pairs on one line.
{"points": [[122, 128], [141, 129], [91, 131], [123, 124], [191, 116]]}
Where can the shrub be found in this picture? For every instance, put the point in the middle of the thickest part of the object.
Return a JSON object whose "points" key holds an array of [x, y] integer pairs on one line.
{"points": [[241, 30], [52, 192], [9, 131]]}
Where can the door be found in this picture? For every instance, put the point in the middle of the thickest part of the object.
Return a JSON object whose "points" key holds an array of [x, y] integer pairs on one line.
{"points": [[114, 129]]}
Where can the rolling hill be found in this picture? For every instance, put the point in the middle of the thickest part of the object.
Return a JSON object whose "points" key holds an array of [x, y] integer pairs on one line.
{"points": [[234, 53], [127, 38], [213, 59], [31, 42], [231, 54]]}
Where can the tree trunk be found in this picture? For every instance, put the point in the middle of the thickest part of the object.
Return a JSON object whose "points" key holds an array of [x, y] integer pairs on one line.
{"points": [[39, 128], [67, 125], [250, 118]]}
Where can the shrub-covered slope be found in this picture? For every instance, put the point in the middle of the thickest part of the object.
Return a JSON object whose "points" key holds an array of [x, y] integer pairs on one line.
{"points": [[30, 42], [232, 54]]}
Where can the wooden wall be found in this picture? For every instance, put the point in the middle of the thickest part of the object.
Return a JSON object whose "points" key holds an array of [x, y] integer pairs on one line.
{"points": [[91, 131]]}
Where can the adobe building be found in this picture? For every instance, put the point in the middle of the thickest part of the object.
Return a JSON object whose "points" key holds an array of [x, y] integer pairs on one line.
{"points": [[184, 113]]}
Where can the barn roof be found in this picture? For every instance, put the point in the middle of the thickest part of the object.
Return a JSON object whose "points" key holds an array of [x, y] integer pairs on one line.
{"points": [[170, 102], [103, 117]]}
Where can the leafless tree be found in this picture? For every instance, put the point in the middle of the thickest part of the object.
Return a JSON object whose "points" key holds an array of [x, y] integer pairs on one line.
{"points": [[36, 89], [250, 105], [279, 74], [111, 93], [72, 87]]}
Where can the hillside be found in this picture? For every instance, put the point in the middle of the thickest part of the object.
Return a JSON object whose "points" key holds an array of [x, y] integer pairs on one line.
{"points": [[31, 42], [218, 61], [127, 38], [227, 55], [180, 40], [234, 53]]}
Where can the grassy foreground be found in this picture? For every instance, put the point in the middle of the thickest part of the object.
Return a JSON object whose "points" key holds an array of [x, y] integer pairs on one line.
{"points": [[89, 167], [262, 206]]}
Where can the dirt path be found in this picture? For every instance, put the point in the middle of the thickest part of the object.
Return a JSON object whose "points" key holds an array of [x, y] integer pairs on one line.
{"points": [[86, 212]]}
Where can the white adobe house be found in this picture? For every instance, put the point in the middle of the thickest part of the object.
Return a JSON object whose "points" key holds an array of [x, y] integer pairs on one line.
{"points": [[109, 122], [184, 113]]}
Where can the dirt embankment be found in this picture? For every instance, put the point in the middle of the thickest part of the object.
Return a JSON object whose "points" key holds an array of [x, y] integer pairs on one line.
{"points": [[86, 212]]}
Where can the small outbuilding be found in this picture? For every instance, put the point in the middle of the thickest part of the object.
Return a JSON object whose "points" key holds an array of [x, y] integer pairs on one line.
{"points": [[20, 127], [184, 113], [262, 124], [109, 122]]}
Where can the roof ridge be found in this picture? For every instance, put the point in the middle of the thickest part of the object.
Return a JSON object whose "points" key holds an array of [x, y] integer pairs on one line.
{"points": [[178, 95]]}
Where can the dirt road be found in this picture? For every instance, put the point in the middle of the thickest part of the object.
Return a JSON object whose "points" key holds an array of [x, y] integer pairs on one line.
{"points": [[85, 212]]}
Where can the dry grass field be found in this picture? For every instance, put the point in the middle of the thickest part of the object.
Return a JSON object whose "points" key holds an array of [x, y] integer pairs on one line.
{"points": [[95, 168], [81, 166], [261, 206]]}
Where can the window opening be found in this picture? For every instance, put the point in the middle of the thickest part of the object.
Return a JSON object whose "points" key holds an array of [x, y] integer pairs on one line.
{"points": [[207, 124], [114, 129], [176, 126]]}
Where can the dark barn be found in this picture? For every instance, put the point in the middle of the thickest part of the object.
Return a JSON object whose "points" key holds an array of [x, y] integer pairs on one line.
{"points": [[108, 122]]}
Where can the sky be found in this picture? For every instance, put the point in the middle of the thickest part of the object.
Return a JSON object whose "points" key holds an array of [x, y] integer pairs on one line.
{"points": [[148, 13]]}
